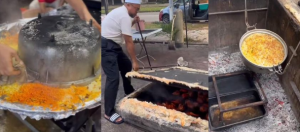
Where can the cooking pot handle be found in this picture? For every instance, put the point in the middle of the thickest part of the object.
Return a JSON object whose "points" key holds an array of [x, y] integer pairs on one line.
{"points": [[246, 18], [277, 69], [294, 54]]}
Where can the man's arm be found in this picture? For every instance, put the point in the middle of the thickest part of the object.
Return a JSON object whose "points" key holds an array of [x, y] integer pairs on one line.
{"points": [[42, 7], [131, 51], [61, 3], [83, 12]]}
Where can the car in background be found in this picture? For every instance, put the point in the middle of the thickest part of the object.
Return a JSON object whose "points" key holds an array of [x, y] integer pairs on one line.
{"points": [[194, 12]]}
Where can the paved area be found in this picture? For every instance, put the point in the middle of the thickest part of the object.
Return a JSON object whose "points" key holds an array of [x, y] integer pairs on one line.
{"points": [[149, 16], [195, 55]]}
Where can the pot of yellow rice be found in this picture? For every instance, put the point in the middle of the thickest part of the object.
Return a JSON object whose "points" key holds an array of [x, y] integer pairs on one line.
{"points": [[263, 51]]}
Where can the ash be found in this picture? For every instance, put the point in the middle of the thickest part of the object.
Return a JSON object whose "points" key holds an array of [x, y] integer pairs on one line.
{"points": [[31, 31], [280, 117], [70, 38]]}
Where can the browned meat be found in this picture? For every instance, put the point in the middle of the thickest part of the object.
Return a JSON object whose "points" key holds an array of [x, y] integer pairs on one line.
{"points": [[183, 90], [189, 104], [191, 94], [177, 93], [185, 96], [176, 102], [164, 104], [180, 107], [200, 101], [192, 114], [196, 104], [171, 106], [207, 116], [203, 108]]}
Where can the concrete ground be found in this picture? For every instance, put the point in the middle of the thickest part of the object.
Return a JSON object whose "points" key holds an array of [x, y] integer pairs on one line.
{"points": [[195, 55], [149, 16]]}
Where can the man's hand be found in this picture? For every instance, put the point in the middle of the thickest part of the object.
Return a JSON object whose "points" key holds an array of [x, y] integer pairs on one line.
{"points": [[96, 24], [135, 20], [131, 52], [83, 12], [135, 65], [6, 57]]}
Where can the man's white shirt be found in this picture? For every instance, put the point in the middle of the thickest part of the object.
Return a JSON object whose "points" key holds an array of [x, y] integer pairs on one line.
{"points": [[116, 23]]}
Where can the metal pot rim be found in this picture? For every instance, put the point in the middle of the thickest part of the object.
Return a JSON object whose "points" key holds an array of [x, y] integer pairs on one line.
{"points": [[248, 33]]}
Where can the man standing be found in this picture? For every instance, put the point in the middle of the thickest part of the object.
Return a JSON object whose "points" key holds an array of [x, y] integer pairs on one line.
{"points": [[116, 29]]}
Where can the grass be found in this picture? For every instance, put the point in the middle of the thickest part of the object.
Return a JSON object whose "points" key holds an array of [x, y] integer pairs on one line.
{"points": [[144, 8]]}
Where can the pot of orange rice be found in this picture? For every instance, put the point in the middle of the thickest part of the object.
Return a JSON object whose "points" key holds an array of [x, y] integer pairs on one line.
{"points": [[263, 51]]}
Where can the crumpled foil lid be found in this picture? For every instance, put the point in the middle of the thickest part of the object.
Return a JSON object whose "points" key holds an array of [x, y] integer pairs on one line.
{"points": [[37, 114]]}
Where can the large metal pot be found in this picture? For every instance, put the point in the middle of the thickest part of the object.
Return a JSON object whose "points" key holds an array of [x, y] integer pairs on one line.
{"points": [[60, 50], [257, 68]]}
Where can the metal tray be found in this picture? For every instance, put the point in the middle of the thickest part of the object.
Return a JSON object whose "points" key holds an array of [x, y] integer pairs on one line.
{"points": [[237, 116], [231, 83], [239, 88]]}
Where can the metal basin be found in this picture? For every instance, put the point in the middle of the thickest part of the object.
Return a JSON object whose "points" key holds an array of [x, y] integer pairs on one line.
{"points": [[257, 68], [60, 51]]}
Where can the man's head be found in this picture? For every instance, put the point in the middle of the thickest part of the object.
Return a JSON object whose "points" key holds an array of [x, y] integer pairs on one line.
{"points": [[133, 7]]}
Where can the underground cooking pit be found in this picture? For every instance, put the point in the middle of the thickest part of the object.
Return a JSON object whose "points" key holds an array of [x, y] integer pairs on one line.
{"points": [[192, 102], [176, 100]]}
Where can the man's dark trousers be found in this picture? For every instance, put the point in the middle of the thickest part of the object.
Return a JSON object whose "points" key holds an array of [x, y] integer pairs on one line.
{"points": [[114, 61]]}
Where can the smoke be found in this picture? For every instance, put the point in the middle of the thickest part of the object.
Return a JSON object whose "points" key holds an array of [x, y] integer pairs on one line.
{"points": [[9, 11]]}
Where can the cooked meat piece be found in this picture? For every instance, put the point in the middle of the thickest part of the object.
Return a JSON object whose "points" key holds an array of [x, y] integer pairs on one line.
{"points": [[192, 114], [180, 107], [203, 108], [196, 104], [200, 101], [187, 101], [202, 97], [189, 104], [183, 90], [185, 96], [164, 104], [177, 93], [176, 102], [191, 94], [171, 106]]}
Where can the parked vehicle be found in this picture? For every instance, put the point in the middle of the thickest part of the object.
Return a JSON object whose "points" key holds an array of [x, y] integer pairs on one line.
{"points": [[194, 12]]}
